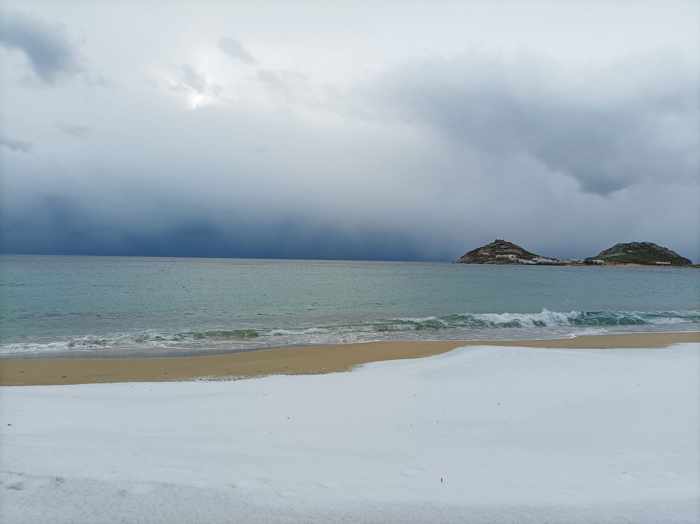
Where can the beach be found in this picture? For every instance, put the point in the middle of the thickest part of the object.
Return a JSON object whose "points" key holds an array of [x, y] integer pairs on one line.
{"points": [[287, 361], [591, 429], [349, 262]]}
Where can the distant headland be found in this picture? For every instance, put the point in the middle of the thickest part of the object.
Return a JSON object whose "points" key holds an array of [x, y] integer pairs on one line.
{"points": [[631, 253]]}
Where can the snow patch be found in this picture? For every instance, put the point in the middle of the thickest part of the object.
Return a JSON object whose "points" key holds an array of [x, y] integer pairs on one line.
{"points": [[481, 434]]}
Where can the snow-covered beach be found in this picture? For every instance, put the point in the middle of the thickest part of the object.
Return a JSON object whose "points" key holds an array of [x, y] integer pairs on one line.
{"points": [[480, 434]]}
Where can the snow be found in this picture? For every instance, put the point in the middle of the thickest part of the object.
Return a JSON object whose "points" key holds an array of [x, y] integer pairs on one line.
{"points": [[481, 434]]}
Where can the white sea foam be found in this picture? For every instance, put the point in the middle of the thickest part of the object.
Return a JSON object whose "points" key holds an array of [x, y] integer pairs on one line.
{"points": [[464, 326], [547, 318], [292, 332], [544, 318]]}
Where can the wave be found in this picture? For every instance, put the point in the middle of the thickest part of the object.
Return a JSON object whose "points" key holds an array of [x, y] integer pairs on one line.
{"points": [[144, 339], [465, 324], [543, 319]]}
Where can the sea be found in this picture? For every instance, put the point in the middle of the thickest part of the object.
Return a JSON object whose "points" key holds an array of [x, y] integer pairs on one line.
{"points": [[109, 306]]}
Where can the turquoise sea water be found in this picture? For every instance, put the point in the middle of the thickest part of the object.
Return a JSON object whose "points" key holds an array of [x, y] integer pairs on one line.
{"points": [[109, 305]]}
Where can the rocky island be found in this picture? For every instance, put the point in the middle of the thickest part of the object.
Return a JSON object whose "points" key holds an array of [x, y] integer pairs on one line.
{"points": [[504, 252], [632, 253], [646, 253]]}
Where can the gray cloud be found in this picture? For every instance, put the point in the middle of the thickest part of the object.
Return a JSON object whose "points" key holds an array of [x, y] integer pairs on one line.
{"points": [[62, 226], [615, 129], [234, 49], [292, 87], [47, 48], [17, 146], [190, 80], [243, 182], [342, 151], [74, 130]]}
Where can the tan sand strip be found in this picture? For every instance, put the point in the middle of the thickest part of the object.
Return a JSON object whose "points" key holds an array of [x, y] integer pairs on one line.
{"points": [[290, 361]]}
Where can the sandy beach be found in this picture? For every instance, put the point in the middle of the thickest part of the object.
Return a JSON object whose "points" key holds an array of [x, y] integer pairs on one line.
{"points": [[282, 361]]}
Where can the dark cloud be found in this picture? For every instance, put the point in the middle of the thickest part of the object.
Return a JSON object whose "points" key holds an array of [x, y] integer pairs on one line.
{"points": [[17, 146], [47, 48], [234, 49], [62, 226], [74, 130], [424, 161], [608, 130]]}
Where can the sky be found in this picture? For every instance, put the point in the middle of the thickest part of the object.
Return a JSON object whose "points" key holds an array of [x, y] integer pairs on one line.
{"points": [[387, 130]]}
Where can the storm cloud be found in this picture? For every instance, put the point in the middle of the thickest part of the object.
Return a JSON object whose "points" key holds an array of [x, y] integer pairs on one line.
{"points": [[607, 129], [321, 147], [46, 47]]}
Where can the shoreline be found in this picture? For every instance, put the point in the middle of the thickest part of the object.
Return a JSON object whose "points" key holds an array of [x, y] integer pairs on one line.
{"points": [[293, 360]]}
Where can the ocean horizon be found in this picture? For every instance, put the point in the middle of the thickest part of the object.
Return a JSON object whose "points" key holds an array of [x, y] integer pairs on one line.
{"points": [[102, 305]]}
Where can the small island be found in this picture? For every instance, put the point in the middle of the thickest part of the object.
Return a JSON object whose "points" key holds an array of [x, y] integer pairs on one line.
{"points": [[504, 252], [645, 253], [632, 253]]}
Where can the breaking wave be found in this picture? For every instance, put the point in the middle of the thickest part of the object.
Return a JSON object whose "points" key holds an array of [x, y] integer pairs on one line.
{"points": [[464, 325], [545, 318]]}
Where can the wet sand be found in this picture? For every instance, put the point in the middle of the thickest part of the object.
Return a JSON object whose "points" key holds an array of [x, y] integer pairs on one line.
{"points": [[290, 360]]}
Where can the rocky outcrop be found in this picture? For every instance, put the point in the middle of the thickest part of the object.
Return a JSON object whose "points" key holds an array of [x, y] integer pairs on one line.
{"points": [[646, 253], [504, 252]]}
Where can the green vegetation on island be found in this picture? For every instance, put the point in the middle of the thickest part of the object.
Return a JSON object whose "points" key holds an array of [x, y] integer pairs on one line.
{"points": [[642, 253], [504, 252], [646, 253]]}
